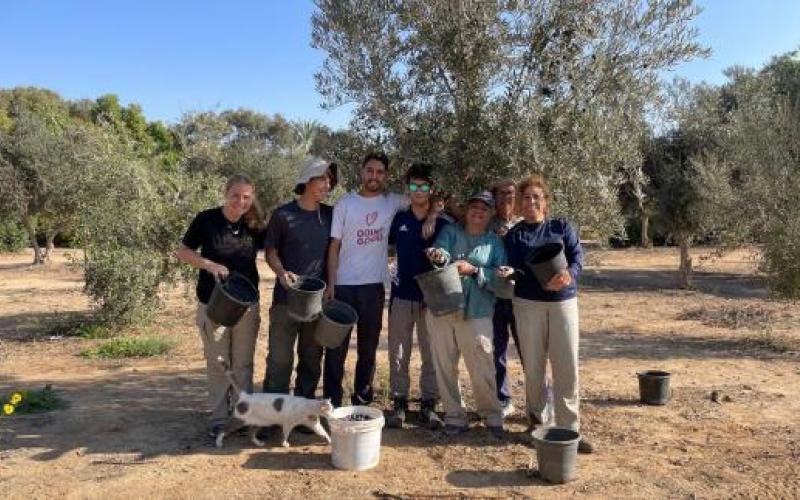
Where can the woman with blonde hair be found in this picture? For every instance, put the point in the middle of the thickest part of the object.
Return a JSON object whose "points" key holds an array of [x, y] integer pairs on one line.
{"points": [[546, 316], [228, 238]]}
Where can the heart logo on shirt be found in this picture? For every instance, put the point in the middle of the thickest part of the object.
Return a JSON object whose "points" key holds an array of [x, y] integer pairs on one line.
{"points": [[371, 218]]}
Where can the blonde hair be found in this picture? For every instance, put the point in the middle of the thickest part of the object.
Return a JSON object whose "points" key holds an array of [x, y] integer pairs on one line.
{"points": [[533, 180], [254, 217]]}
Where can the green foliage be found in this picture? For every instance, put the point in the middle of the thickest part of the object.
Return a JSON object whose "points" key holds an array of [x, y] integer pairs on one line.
{"points": [[492, 89], [36, 401], [130, 347], [12, 236]]}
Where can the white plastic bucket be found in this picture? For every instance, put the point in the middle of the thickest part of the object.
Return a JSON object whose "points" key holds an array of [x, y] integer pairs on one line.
{"points": [[355, 445]]}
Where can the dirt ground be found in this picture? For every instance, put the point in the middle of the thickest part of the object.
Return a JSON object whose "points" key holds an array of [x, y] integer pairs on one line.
{"points": [[136, 428]]}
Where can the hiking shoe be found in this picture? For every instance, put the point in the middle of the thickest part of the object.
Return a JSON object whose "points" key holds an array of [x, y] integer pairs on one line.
{"points": [[454, 430], [507, 407], [398, 416], [585, 446], [496, 431], [428, 416]]}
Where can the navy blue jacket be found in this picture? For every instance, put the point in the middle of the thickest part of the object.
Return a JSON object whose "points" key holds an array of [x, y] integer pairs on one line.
{"points": [[523, 238]]}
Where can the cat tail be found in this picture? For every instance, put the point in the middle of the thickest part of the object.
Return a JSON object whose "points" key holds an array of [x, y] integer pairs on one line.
{"points": [[229, 374]]}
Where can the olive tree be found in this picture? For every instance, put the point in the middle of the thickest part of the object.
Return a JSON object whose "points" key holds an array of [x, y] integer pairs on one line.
{"points": [[492, 88]]}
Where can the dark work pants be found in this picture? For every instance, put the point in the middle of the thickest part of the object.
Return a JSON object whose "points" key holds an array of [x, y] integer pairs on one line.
{"points": [[367, 300], [502, 322]]}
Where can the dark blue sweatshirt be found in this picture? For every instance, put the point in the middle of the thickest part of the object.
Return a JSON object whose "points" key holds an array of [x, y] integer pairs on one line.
{"points": [[523, 238]]}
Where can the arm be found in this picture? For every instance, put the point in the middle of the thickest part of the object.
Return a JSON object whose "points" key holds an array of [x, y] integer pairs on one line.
{"points": [[194, 259], [333, 265], [274, 238], [287, 278]]}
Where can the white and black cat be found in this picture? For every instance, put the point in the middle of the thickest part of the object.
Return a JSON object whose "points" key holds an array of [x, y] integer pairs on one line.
{"points": [[263, 410]]}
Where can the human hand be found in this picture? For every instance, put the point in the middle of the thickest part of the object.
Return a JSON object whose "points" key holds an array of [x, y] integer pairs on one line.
{"points": [[429, 227], [504, 271], [328, 293], [435, 255], [559, 281], [216, 270], [465, 268], [287, 278]]}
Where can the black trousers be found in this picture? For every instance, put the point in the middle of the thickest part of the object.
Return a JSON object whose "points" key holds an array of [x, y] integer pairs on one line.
{"points": [[368, 301]]}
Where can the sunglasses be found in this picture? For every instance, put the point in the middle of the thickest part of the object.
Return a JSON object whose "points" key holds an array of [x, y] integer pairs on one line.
{"points": [[413, 187]]}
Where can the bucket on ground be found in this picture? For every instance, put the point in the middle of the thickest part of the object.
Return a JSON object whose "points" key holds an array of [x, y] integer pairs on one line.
{"points": [[442, 290], [230, 299], [304, 298], [546, 261], [654, 387], [355, 437], [335, 321], [556, 453]]}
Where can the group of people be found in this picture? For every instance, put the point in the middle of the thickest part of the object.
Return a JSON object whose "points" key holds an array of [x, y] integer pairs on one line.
{"points": [[347, 246]]}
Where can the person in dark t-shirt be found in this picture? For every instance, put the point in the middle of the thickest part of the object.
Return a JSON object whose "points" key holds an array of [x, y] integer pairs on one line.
{"points": [[228, 238], [296, 244], [406, 304]]}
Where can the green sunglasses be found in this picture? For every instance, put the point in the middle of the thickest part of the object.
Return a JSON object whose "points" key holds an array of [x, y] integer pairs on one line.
{"points": [[413, 187]]}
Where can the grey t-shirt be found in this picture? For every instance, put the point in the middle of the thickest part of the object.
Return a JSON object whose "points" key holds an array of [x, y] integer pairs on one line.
{"points": [[301, 239]]}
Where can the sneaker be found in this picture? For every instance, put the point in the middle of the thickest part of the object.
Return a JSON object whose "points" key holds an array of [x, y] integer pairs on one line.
{"points": [[507, 407], [496, 431], [454, 430], [428, 416], [215, 429], [398, 416], [585, 446]]}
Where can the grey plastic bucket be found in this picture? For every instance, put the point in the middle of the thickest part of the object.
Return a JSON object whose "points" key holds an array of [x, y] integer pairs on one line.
{"points": [[355, 445], [442, 290], [654, 387], [334, 323], [556, 453], [504, 287], [304, 298], [230, 299], [546, 261]]}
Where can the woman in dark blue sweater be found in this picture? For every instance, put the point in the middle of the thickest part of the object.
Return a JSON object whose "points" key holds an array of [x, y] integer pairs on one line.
{"points": [[547, 316]]}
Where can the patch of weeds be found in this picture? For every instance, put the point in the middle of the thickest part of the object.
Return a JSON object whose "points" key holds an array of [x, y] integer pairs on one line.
{"points": [[130, 347], [36, 401], [734, 317], [79, 325], [769, 341]]}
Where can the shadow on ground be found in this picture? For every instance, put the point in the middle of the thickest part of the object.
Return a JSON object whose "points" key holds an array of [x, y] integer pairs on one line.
{"points": [[727, 285]]}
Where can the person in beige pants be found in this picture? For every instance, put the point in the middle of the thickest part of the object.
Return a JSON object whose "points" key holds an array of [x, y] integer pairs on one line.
{"points": [[547, 312], [228, 239]]}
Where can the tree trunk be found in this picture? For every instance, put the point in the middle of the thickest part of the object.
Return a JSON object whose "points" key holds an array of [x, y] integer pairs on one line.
{"points": [[48, 251], [685, 266], [645, 224], [38, 258]]}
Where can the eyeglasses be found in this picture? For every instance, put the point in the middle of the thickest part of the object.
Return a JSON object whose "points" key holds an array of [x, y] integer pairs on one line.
{"points": [[414, 187]]}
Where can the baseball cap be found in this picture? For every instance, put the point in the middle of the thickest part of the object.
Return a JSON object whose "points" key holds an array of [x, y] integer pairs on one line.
{"points": [[484, 196]]}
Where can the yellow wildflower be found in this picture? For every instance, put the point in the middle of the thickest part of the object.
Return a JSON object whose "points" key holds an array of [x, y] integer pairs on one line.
{"points": [[8, 409], [16, 399]]}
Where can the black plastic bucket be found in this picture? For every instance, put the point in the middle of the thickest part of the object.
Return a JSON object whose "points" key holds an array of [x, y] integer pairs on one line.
{"points": [[334, 323], [654, 387], [556, 453], [304, 298], [230, 299], [442, 290], [546, 261]]}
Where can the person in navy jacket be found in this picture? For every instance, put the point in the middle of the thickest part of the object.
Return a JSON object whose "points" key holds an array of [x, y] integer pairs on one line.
{"points": [[546, 316]]}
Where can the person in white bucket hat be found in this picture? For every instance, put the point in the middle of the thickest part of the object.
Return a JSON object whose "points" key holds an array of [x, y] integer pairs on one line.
{"points": [[296, 244]]}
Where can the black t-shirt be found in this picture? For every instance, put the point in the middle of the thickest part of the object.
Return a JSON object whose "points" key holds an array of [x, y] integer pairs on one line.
{"points": [[232, 244], [301, 239]]}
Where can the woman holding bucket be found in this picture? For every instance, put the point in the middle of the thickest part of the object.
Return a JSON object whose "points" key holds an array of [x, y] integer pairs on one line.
{"points": [[477, 253], [228, 238], [546, 306]]}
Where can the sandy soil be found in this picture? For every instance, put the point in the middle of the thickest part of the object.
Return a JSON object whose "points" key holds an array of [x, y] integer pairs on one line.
{"points": [[135, 428]]}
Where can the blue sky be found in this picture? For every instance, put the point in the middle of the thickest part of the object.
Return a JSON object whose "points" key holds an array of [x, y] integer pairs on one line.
{"points": [[173, 57]]}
